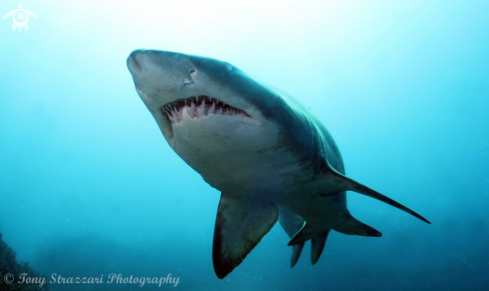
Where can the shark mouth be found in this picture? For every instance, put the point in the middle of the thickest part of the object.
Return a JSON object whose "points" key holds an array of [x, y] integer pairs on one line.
{"points": [[197, 107]]}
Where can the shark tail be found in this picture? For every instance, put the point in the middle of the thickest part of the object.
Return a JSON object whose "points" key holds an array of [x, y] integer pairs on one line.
{"points": [[240, 225], [337, 182]]}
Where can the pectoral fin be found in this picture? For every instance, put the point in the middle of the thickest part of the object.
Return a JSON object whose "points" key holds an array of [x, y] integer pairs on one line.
{"points": [[240, 225]]}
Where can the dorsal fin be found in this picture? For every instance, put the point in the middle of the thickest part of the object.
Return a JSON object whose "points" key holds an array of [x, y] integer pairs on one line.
{"points": [[337, 182]]}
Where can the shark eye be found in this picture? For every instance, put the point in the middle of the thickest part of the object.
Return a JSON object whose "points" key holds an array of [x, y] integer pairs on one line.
{"points": [[192, 71]]}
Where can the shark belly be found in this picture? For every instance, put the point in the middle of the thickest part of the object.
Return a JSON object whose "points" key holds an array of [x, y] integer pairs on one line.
{"points": [[249, 162], [237, 158]]}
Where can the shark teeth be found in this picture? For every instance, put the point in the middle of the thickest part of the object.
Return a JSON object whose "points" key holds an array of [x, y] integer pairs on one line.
{"points": [[197, 107]]}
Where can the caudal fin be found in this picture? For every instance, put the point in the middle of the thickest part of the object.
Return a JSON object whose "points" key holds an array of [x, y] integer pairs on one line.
{"points": [[338, 182]]}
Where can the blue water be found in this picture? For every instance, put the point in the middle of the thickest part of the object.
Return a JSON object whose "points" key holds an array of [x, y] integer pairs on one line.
{"points": [[89, 187]]}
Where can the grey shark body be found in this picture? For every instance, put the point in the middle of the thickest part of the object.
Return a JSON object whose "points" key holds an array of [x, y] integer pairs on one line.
{"points": [[269, 156]]}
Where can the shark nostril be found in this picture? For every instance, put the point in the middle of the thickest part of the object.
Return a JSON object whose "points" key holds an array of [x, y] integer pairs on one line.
{"points": [[192, 71], [134, 62]]}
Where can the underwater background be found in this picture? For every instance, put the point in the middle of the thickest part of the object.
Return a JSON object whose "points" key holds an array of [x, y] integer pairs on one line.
{"points": [[89, 186]]}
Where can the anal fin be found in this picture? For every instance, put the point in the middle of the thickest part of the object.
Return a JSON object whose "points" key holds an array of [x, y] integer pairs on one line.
{"points": [[240, 225], [352, 226]]}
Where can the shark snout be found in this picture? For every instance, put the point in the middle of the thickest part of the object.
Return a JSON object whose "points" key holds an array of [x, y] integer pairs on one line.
{"points": [[164, 70], [136, 59], [147, 70], [141, 59]]}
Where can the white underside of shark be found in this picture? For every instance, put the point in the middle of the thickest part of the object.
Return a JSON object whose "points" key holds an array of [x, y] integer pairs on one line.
{"points": [[270, 157]]}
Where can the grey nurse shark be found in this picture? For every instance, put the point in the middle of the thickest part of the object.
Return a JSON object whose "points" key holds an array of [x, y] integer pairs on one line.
{"points": [[270, 157]]}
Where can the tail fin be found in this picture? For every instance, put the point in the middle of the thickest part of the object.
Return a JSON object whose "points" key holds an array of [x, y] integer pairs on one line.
{"points": [[337, 182]]}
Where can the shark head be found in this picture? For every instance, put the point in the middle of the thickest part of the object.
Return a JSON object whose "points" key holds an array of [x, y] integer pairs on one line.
{"points": [[177, 87], [215, 117]]}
